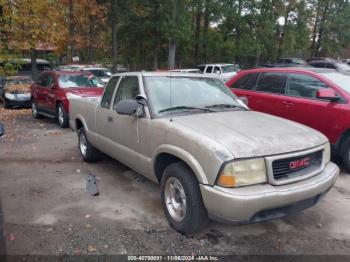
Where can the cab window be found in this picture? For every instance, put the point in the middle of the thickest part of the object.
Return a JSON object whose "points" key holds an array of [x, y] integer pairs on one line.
{"points": [[301, 85], [272, 83], [128, 89], [247, 82], [108, 93], [209, 69]]}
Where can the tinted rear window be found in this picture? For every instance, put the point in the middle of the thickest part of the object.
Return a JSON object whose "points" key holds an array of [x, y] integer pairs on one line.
{"points": [[246, 82], [272, 83]]}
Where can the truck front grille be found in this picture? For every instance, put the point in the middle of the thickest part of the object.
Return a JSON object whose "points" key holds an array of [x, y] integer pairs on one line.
{"points": [[296, 166]]}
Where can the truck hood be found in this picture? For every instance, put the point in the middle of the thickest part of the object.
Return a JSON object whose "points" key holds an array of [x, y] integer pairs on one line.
{"points": [[85, 91], [252, 134]]}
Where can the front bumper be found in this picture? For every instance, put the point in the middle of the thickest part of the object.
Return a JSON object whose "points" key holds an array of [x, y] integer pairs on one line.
{"points": [[262, 202], [17, 100]]}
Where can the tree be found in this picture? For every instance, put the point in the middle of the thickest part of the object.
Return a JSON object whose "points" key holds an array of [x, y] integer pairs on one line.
{"points": [[34, 22]]}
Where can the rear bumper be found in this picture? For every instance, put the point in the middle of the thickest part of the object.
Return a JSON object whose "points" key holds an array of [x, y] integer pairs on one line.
{"points": [[258, 203]]}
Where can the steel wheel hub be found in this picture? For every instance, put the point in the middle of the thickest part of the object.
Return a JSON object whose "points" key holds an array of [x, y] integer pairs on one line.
{"points": [[60, 115], [175, 199], [82, 144]]}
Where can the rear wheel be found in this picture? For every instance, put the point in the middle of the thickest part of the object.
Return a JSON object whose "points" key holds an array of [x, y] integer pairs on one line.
{"points": [[62, 116], [345, 153], [181, 199], [88, 152]]}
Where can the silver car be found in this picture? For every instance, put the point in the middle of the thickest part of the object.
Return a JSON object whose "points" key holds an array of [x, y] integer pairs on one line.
{"points": [[213, 157]]}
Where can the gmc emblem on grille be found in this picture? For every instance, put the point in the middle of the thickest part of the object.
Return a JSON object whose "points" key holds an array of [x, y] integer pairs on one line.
{"points": [[299, 163]]}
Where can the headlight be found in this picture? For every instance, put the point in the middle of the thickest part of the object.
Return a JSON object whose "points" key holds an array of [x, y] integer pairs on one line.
{"points": [[10, 96], [71, 95], [327, 154], [243, 173]]}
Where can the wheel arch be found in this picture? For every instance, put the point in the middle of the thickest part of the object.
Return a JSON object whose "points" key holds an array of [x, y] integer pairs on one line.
{"points": [[167, 154], [343, 137]]}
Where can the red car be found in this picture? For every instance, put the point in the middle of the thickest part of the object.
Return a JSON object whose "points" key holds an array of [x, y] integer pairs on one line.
{"points": [[318, 98], [50, 93]]}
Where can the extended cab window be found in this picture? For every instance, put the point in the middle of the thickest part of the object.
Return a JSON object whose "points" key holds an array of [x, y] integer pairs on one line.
{"points": [[272, 83], [246, 82], [209, 69], [108, 93], [128, 89], [301, 85]]}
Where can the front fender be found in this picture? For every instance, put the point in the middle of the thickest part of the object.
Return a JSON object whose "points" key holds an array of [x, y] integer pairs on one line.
{"points": [[184, 156]]}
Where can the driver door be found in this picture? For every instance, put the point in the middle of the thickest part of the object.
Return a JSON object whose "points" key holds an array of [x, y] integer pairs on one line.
{"points": [[130, 134]]}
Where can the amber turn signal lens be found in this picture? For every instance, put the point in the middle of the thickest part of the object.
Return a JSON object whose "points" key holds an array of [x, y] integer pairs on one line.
{"points": [[227, 181]]}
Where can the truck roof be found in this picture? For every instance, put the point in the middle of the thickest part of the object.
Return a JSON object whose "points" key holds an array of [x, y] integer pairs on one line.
{"points": [[169, 74]]}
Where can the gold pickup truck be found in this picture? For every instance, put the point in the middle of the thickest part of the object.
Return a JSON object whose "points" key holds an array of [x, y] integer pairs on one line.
{"points": [[213, 157]]}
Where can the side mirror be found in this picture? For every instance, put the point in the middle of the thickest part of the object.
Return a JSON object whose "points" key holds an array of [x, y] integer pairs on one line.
{"points": [[129, 107], [217, 72], [327, 94], [2, 131]]}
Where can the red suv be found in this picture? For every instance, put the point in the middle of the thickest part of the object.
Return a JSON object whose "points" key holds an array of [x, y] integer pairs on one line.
{"points": [[318, 98], [51, 92]]}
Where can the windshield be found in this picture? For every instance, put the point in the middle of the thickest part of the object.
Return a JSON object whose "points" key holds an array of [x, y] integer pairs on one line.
{"points": [[341, 80], [71, 81], [100, 72], [188, 93], [229, 68]]}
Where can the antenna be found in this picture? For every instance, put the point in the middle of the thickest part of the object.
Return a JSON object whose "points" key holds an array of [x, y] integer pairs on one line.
{"points": [[171, 98]]}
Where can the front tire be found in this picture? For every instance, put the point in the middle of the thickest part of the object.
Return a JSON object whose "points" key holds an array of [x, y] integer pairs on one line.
{"points": [[181, 199], [62, 116], [88, 152], [345, 154], [35, 113]]}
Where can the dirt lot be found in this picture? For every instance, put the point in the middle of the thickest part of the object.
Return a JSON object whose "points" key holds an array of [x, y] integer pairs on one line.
{"points": [[48, 211]]}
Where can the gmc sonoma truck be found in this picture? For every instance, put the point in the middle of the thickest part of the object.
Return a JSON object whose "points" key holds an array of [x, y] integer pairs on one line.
{"points": [[213, 157]]}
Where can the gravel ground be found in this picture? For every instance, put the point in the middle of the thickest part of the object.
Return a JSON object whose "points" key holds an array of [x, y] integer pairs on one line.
{"points": [[47, 210]]}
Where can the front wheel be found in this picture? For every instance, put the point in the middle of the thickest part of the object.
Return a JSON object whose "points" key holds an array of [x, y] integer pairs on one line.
{"points": [[62, 116], [88, 152], [35, 113], [181, 199], [345, 154]]}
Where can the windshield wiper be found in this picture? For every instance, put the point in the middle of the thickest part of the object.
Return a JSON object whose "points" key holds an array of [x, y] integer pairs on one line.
{"points": [[185, 108], [222, 106]]}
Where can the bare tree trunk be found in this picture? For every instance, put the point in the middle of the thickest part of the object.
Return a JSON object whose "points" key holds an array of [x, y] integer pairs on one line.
{"points": [[314, 33], [321, 29], [155, 59], [197, 33], [172, 53], [33, 56], [205, 31], [71, 29], [172, 40], [284, 28], [114, 36]]}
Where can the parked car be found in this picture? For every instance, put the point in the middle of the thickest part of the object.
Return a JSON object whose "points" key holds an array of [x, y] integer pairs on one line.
{"points": [[16, 92], [51, 92], [212, 156], [24, 65], [103, 73], [222, 71], [318, 98], [2, 130], [190, 70], [288, 62], [332, 64]]}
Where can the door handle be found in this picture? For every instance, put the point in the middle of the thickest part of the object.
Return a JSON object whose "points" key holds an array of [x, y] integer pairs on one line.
{"points": [[110, 119], [287, 103]]}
